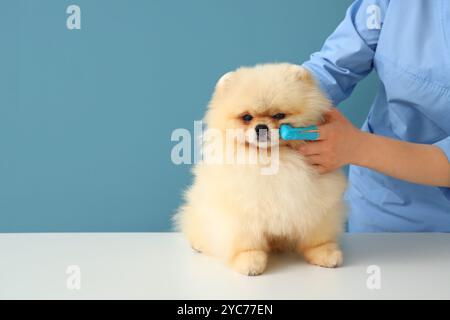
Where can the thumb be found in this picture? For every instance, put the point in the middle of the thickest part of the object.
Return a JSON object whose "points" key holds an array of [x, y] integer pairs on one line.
{"points": [[331, 115]]}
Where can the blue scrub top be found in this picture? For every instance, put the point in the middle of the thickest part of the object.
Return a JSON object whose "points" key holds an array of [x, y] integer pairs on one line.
{"points": [[407, 42]]}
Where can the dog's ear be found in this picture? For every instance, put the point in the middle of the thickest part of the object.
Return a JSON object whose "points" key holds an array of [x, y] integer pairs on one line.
{"points": [[302, 74], [224, 81]]}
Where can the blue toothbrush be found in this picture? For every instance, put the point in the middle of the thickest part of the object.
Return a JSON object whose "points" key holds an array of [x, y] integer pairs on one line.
{"points": [[288, 132]]}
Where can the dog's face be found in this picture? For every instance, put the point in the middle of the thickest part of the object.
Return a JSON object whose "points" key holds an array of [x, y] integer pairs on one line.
{"points": [[257, 100]]}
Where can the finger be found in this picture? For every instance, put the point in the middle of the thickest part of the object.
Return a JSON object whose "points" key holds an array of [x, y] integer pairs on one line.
{"points": [[315, 159], [320, 169], [332, 115], [324, 131], [312, 148], [328, 116]]}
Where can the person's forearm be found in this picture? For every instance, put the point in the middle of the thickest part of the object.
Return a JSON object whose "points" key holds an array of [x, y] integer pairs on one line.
{"points": [[417, 163]]}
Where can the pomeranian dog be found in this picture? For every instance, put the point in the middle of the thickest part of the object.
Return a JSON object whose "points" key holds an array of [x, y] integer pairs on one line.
{"points": [[237, 213]]}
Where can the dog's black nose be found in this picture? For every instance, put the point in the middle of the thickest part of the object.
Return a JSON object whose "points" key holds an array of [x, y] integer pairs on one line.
{"points": [[261, 129]]}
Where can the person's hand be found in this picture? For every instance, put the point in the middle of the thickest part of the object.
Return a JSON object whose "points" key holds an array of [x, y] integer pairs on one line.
{"points": [[338, 143]]}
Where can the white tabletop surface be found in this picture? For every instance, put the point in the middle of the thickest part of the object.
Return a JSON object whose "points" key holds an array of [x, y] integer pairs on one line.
{"points": [[163, 266]]}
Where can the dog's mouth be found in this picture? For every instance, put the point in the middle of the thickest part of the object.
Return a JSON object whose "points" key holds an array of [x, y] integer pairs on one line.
{"points": [[263, 137]]}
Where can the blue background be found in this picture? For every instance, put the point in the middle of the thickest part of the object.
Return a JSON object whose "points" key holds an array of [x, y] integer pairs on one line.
{"points": [[86, 115]]}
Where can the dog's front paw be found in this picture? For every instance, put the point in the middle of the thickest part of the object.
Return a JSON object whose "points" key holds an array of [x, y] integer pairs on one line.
{"points": [[250, 263], [327, 255]]}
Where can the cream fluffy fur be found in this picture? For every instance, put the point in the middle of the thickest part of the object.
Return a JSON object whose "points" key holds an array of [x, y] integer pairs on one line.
{"points": [[235, 213]]}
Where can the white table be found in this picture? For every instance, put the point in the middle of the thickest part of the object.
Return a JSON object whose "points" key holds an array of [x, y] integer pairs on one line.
{"points": [[162, 266]]}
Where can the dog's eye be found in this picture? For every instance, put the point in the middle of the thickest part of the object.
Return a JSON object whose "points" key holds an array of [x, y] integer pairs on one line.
{"points": [[279, 116], [247, 117]]}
